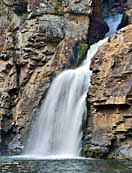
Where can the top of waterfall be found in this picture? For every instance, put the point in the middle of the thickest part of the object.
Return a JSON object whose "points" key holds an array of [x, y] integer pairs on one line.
{"points": [[113, 22]]}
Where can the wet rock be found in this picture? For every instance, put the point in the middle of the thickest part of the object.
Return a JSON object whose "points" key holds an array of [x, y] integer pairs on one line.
{"points": [[15, 146], [123, 152], [98, 29], [20, 7], [95, 151], [101, 137]]}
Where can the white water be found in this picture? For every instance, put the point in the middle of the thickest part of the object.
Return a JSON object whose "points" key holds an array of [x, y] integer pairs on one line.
{"points": [[57, 132]]}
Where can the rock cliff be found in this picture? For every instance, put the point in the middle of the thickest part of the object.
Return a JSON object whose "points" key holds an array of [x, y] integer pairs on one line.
{"points": [[110, 99], [38, 39], [108, 124]]}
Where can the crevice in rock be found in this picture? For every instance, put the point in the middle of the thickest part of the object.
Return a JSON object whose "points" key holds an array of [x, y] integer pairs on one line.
{"points": [[8, 124], [15, 59], [98, 27], [19, 6]]}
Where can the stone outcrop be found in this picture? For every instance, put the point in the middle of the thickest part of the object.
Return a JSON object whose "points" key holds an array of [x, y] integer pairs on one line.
{"points": [[109, 131], [128, 10]]}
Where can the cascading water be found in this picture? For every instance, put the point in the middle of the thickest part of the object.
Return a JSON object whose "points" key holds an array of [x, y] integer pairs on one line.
{"points": [[58, 128]]}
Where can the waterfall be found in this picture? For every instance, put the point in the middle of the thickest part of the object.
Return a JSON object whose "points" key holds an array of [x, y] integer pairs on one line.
{"points": [[57, 131]]}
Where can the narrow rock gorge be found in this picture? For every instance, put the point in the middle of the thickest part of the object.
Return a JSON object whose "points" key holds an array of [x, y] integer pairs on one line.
{"points": [[41, 38]]}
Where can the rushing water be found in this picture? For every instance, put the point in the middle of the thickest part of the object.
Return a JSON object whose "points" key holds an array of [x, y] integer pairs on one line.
{"points": [[56, 133], [57, 130], [64, 166]]}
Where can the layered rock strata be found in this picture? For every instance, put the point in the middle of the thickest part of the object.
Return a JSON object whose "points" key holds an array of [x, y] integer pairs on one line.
{"points": [[38, 39], [109, 131]]}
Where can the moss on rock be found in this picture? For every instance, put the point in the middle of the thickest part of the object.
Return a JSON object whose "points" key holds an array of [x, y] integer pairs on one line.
{"points": [[83, 51], [57, 8]]}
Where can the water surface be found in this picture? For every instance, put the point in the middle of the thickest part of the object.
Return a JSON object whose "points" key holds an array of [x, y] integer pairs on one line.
{"points": [[15, 165]]}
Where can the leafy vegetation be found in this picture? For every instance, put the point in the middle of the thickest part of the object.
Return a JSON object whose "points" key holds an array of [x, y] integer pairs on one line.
{"points": [[83, 52], [58, 4]]}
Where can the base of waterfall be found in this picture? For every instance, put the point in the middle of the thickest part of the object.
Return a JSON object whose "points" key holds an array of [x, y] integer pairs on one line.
{"points": [[18, 165], [50, 157], [58, 126]]}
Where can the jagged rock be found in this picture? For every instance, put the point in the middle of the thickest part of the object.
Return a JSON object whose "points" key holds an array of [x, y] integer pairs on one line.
{"points": [[124, 152], [96, 151], [101, 137], [128, 7], [52, 28], [98, 26], [110, 93], [38, 40]]}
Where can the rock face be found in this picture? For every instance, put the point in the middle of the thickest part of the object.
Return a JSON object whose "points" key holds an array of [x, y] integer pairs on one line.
{"points": [[109, 132], [38, 39], [128, 10]]}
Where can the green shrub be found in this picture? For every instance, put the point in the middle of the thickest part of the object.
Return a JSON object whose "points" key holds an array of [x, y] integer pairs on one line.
{"points": [[57, 8], [83, 52]]}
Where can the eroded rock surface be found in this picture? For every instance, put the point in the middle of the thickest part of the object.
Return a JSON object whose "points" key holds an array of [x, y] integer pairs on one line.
{"points": [[128, 10], [38, 39], [110, 97]]}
